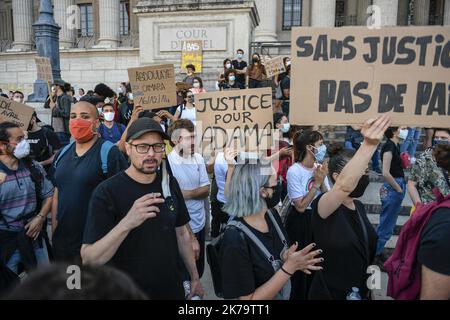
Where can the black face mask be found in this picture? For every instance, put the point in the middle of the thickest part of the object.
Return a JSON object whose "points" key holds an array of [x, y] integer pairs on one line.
{"points": [[273, 201], [255, 60], [363, 183]]}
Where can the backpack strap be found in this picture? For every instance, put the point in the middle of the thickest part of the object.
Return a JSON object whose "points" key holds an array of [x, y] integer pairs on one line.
{"points": [[277, 227], [104, 151], [239, 225], [61, 153]]}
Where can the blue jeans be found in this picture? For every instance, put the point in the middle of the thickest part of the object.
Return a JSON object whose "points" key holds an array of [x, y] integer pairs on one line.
{"points": [[40, 253], [64, 138], [375, 158], [391, 203], [411, 142]]}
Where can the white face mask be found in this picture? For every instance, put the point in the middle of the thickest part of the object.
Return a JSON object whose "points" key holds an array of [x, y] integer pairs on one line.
{"points": [[196, 85], [120, 90], [288, 63], [109, 116], [19, 100], [403, 134], [285, 128], [228, 65], [163, 127], [130, 96], [99, 110], [22, 149]]}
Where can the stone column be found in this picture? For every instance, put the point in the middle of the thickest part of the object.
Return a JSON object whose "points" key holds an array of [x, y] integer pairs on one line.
{"points": [[351, 13], [22, 24], [109, 17], [267, 29], [362, 12], [389, 9], [447, 13], [66, 19], [323, 13], [421, 12]]}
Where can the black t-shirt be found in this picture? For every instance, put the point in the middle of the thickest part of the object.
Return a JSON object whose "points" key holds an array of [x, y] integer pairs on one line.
{"points": [[285, 84], [244, 267], [76, 178], [340, 236], [42, 144], [434, 248], [149, 254], [239, 66], [125, 111], [396, 164]]}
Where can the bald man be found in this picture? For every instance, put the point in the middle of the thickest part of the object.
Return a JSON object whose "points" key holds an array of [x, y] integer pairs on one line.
{"points": [[77, 170]]}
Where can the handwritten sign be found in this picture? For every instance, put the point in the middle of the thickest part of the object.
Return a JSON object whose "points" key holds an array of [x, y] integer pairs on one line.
{"points": [[274, 66], [15, 112], [154, 86], [348, 75], [241, 119], [44, 69], [192, 53]]}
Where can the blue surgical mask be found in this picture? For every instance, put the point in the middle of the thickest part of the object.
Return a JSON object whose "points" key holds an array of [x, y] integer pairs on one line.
{"points": [[285, 128], [321, 152], [232, 78], [440, 142], [239, 55]]}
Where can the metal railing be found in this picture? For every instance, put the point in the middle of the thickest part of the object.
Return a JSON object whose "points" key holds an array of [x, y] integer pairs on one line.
{"points": [[129, 40], [5, 44], [269, 48]]}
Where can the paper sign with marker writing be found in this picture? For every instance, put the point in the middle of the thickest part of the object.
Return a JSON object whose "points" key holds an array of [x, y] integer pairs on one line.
{"points": [[347, 75]]}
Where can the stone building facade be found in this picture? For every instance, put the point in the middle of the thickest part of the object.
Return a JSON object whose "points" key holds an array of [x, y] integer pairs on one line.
{"points": [[100, 39]]}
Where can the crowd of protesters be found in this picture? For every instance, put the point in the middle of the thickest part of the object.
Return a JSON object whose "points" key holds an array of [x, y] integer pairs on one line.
{"points": [[109, 183]]}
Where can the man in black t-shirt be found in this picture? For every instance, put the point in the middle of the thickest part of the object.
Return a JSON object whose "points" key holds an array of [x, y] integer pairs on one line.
{"points": [[44, 143], [143, 232], [241, 68], [434, 256], [76, 171]]}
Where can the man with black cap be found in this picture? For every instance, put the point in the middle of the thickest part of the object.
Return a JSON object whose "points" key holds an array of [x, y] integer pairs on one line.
{"points": [[78, 169], [143, 232], [61, 113]]}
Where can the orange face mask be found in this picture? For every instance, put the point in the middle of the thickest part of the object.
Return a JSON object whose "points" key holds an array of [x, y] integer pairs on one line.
{"points": [[81, 130]]}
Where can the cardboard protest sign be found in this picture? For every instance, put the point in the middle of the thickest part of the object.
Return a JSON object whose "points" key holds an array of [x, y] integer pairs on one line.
{"points": [[15, 112], [240, 119], [348, 75], [274, 66], [183, 86], [154, 86], [44, 69], [192, 53]]}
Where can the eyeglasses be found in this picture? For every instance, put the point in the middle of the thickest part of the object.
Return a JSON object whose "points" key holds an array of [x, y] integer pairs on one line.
{"points": [[144, 148]]}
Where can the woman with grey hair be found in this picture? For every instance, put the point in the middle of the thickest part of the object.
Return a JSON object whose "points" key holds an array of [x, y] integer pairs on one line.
{"points": [[256, 262]]}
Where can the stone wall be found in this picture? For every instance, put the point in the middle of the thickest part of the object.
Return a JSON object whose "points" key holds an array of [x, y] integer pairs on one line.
{"points": [[82, 68]]}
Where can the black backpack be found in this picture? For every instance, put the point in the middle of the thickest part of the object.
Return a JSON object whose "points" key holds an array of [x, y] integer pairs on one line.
{"points": [[213, 254]]}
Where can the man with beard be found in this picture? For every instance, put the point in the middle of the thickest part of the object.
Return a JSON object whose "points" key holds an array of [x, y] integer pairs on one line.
{"points": [[189, 169], [143, 232]]}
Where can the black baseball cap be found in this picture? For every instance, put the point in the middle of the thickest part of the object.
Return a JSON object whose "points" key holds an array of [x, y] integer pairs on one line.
{"points": [[142, 126]]}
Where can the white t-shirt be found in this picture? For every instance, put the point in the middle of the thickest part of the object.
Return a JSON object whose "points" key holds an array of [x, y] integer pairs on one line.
{"points": [[300, 180], [189, 114], [191, 174], [220, 173]]}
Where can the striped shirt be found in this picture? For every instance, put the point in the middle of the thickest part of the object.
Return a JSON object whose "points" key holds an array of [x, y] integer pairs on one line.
{"points": [[18, 195]]}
